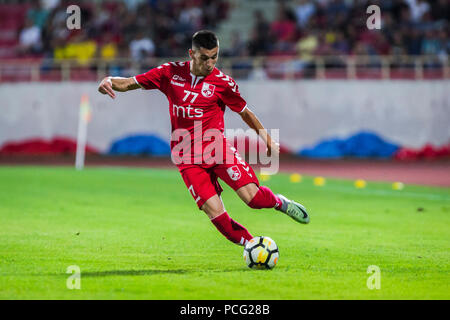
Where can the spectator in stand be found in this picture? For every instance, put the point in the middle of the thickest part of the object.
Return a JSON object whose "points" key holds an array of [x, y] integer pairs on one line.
{"points": [[50, 4], [307, 45], [406, 20], [335, 7], [340, 44], [431, 44], [163, 32], [260, 42], [141, 47], [444, 51], [381, 45], [30, 39], [37, 14], [398, 46], [351, 35], [108, 47], [417, 8], [387, 25], [306, 48], [55, 32], [360, 49], [413, 41], [145, 16], [238, 47], [408, 26], [369, 38], [283, 32], [213, 12], [128, 27], [132, 5], [284, 27], [191, 16], [440, 10], [80, 48], [169, 23], [303, 11], [324, 47]]}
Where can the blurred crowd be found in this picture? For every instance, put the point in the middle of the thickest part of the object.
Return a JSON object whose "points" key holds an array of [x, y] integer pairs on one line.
{"points": [[160, 28], [117, 29], [338, 27]]}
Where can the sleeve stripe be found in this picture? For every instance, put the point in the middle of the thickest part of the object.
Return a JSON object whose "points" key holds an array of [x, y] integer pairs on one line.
{"points": [[135, 80], [245, 107]]}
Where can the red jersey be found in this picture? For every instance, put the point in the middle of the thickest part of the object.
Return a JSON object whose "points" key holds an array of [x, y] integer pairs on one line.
{"points": [[194, 102]]}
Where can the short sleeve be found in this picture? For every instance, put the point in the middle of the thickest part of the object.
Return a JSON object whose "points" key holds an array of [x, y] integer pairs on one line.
{"points": [[232, 98], [152, 79]]}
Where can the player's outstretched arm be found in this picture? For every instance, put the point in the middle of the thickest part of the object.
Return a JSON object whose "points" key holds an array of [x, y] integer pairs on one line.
{"points": [[253, 122], [110, 84]]}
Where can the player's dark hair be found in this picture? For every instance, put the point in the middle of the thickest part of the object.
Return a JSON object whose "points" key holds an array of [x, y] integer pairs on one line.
{"points": [[205, 39]]}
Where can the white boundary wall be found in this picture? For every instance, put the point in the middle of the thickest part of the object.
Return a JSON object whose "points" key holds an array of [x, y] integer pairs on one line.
{"points": [[409, 113]]}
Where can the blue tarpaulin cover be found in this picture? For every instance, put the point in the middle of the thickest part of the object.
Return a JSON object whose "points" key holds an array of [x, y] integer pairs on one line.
{"points": [[363, 145], [140, 145]]}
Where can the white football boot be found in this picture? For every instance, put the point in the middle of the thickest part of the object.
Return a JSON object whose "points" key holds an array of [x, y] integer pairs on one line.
{"points": [[293, 209]]}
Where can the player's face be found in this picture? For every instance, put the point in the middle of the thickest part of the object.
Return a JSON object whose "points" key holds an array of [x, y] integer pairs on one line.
{"points": [[203, 60]]}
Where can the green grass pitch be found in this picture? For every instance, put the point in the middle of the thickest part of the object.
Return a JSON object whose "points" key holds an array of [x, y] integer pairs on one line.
{"points": [[137, 234]]}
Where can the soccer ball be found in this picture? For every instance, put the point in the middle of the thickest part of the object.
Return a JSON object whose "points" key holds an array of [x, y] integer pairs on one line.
{"points": [[261, 253]]}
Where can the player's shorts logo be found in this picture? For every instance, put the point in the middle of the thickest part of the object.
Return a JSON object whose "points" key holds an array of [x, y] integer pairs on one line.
{"points": [[208, 90], [234, 173]]}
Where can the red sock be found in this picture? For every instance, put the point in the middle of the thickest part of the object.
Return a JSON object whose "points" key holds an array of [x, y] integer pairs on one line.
{"points": [[232, 230], [264, 198]]}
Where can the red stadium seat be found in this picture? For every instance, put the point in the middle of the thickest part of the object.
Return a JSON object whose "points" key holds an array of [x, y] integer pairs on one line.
{"points": [[12, 15]]}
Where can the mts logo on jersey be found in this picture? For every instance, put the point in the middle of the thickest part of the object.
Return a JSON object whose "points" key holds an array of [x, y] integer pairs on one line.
{"points": [[186, 112], [208, 90]]}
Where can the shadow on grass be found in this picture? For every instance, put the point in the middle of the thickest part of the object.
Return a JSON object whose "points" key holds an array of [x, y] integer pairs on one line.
{"points": [[149, 272]]}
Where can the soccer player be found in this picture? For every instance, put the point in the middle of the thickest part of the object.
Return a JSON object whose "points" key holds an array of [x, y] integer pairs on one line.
{"points": [[198, 94]]}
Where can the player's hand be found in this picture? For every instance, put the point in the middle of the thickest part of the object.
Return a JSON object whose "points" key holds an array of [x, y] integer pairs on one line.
{"points": [[273, 148], [105, 87]]}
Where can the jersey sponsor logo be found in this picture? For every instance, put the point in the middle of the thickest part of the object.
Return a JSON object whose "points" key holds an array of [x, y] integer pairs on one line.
{"points": [[178, 78], [234, 173], [177, 83], [208, 90], [185, 112]]}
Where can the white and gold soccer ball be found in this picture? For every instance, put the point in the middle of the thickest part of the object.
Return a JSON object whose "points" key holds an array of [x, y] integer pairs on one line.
{"points": [[261, 253]]}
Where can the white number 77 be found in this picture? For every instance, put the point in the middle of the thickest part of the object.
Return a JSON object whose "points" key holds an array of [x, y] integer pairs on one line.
{"points": [[187, 95]]}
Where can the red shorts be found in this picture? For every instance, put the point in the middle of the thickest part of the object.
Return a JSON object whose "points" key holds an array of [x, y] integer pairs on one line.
{"points": [[202, 180]]}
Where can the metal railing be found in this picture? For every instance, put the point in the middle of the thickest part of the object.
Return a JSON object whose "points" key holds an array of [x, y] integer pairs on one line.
{"points": [[289, 68]]}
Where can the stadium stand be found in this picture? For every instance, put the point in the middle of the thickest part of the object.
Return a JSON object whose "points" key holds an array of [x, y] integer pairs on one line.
{"points": [[284, 39]]}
